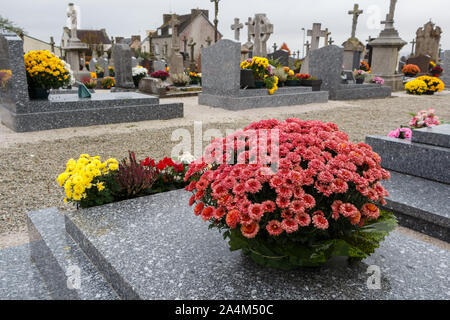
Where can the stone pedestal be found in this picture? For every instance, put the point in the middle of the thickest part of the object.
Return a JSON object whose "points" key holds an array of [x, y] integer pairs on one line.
{"points": [[385, 57], [176, 63], [353, 49], [73, 50]]}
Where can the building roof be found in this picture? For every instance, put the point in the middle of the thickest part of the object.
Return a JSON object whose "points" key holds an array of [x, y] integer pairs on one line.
{"points": [[185, 21], [93, 36]]}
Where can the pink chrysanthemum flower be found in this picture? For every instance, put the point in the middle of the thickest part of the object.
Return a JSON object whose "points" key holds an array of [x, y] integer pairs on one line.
{"points": [[303, 219], [289, 225], [274, 228], [309, 201], [269, 206], [297, 206], [253, 186], [347, 209], [282, 202], [371, 211], [250, 231], [255, 211], [320, 222], [335, 209]]}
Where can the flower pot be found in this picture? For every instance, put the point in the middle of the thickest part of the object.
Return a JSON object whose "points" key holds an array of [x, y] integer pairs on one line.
{"points": [[291, 83], [259, 84], [315, 84], [180, 84], [194, 82], [247, 79], [38, 93], [360, 81], [281, 84], [410, 75]]}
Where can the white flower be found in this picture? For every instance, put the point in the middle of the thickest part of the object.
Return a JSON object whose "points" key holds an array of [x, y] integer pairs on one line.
{"points": [[69, 69], [138, 70], [186, 158]]}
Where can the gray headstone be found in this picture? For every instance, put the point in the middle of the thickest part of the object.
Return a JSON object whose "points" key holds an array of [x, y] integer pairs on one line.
{"points": [[282, 56], [423, 62], [446, 67], [221, 68], [159, 65], [103, 62], [134, 62], [122, 65], [15, 90], [92, 64], [326, 64]]}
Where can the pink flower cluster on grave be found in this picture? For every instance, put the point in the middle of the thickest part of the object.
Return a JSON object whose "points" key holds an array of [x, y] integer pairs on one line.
{"points": [[401, 133], [424, 118], [378, 80], [313, 178]]}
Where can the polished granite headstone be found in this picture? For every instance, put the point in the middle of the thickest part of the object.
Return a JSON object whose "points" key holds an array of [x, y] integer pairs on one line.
{"points": [[326, 64], [221, 83], [21, 114], [420, 178], [156, 248]]}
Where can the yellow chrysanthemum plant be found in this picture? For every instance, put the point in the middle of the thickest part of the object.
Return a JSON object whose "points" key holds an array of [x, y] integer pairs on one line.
{"points": [[434, 84], [417, 87], [45, 70], [262, 71], [88, 181]]}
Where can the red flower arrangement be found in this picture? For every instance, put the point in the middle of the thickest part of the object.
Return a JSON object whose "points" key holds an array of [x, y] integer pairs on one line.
{"points": [[296, 203], [410, 69], [436, 71], [303, 76], [169, 174], [163, 75], [364, 66]]}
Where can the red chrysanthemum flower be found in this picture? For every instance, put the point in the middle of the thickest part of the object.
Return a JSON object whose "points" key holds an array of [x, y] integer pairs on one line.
{"points": [[320, 222], [232, 219], [289, 225], [274, 228], [371, 211], [250, 231]]}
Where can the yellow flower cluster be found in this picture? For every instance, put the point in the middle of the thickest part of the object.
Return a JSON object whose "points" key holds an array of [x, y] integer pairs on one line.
{"points": [[93, 75], [44, 62], [255, 62], [432, 64], [433, 84], [5, 75], [275, 86], [416, 87], [195, 75], [79, 175]]}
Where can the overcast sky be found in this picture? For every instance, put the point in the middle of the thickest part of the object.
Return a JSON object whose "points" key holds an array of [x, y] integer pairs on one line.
{"points": [[45, 18]]}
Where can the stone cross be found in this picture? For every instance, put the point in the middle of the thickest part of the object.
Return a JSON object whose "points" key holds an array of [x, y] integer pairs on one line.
{"points": [[185, 41], [274, 47], [356, 13], [208, 41], [236, 27], [73, 16], [316, 33], [260, 29], [52, 44], [174, 22], [331, 41], [249, 35], [327, 34], [307, 45], [389, 22], [413, 45], [192, 46], [298, 54]]}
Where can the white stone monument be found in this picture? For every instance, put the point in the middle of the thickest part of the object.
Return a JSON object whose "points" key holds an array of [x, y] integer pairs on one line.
{"points": [[260, 29]]}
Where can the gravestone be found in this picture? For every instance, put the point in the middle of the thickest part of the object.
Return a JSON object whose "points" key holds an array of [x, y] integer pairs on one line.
{"points": [[419, 187], [353, 48], [159, 65], [446, 67], [134, 62], [423, 62], [326, 64], [236, 27], [66, 110], [221, 75], [122, 66], [315, 33], [282, 56], [92, 65], [427, 41], [176, 59], [103, 63], [385, 52], [260, 29]]}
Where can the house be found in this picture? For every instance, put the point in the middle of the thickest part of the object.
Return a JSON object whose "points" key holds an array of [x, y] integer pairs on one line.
{"points": [[33, 44], [97, 40], [195, 26]]}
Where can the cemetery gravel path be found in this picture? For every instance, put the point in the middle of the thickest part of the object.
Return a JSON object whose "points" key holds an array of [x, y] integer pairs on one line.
{"points": [[30, 162]]}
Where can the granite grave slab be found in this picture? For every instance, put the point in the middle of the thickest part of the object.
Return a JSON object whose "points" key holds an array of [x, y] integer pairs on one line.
{"points": [[221, 83], [420, 179], [21, 114], [326, 64], [156, 248]]}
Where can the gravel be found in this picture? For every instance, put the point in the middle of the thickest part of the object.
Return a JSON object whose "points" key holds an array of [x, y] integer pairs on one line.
{"points": [[30, 162]]}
